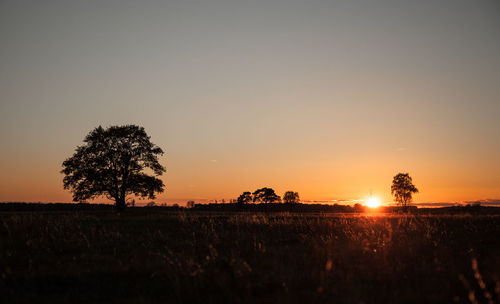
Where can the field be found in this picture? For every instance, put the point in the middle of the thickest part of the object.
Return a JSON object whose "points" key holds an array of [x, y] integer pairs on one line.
{"points": [[207, 257]]}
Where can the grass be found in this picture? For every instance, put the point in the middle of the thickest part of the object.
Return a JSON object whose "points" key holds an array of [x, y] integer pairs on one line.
{"points": [[222, 257]]}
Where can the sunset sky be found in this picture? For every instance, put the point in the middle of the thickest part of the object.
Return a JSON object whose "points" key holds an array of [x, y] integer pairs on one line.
{"points": [[327, 98]]}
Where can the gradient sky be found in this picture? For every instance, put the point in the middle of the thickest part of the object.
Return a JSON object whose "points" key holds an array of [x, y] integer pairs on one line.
{"points": [[327, 98]]}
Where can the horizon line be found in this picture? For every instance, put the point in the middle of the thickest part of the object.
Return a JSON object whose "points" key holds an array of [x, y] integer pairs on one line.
{"points": [[486, 202]]}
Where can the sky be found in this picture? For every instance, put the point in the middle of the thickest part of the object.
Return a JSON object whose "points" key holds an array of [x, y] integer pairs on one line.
{"points": [[327, 98]]}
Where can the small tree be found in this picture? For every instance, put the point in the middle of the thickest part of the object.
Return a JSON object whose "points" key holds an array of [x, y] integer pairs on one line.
{"points": [[265, 195], [245, 198], [190, 204], [111, 163], [291, 197], [402, 188], [358, 207]]}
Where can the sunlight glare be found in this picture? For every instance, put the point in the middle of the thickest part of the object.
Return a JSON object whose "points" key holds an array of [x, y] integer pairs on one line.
{"points": [[373, 202]]}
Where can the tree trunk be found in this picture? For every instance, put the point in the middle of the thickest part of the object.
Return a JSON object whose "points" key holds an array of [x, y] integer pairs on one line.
{"points": [[120, 204]]}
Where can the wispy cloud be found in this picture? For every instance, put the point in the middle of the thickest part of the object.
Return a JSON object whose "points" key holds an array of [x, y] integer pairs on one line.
{"points": [[486, 202]]}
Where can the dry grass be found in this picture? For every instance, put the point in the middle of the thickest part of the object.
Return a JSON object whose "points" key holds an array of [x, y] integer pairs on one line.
{"points": [[239, 258]]}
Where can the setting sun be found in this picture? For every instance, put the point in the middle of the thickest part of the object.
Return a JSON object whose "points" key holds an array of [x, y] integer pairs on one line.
{"points": [[373, 202]]}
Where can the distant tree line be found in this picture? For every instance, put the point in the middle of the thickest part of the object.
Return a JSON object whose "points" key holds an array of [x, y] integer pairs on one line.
{"points": [[277, 207], [267, 196]]}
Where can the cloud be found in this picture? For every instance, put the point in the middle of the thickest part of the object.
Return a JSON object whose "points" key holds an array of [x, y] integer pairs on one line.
{"points": [[333, 201], [486, 202], [438, 204]]}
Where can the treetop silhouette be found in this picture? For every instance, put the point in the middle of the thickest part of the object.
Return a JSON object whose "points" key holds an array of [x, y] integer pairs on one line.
{"points": [[291, 197], [402, 188], [265, 195], [245, 198], [111, 163]]}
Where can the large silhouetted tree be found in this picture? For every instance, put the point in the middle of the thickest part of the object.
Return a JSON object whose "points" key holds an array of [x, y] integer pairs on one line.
{"points": [[265, 195], [291, 197], [111, 163], [402, 188]]}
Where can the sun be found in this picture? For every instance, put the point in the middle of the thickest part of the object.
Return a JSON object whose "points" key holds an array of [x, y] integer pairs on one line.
{"points": [[373, 202]]}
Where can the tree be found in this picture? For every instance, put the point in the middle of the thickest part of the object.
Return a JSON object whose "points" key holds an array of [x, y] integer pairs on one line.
{"points": [[190, 204], [402, 188], [245, 198], [291, 197], [265, 195], [111, 163], [358, 207]]}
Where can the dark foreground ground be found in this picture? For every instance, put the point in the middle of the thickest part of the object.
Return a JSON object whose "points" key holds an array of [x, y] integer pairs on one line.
{"points": [[194, 256]]}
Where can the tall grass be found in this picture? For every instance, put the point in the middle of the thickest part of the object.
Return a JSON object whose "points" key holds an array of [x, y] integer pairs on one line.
{"points": [[249, 257]]}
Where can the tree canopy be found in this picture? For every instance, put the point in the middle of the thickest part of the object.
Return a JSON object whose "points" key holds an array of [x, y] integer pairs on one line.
{"points": [[402, 188], [291, 197], [112, 163], [245, 198], [265, 195]]}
